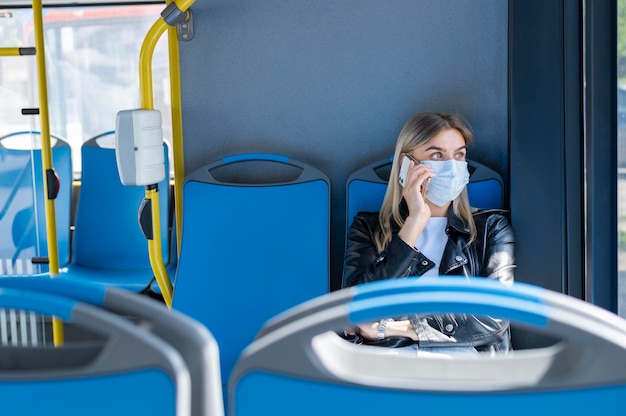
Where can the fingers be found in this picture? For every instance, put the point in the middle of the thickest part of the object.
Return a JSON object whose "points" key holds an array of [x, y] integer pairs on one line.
{"points": [[418, 177], [368, 330]]}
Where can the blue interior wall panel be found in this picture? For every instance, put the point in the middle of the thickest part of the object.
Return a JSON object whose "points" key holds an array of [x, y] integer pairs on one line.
{"points": [[331, 83]]}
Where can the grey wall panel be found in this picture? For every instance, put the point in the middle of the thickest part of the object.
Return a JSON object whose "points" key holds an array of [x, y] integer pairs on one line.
{"points": [[550, 174], [331, 83], [537, 141]]}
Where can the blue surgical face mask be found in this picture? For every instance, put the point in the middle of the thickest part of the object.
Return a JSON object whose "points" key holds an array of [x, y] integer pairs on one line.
{"points": [[452, 176]]}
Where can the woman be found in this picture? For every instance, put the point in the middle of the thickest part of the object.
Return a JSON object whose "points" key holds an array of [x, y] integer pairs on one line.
{"points": [[427, 228]]}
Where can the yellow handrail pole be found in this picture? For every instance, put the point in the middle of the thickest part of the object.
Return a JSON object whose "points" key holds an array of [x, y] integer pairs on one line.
{"points": [[145, 57], [177, 131], [16, 51], [147, 103], [177, 123], [154, 248], [46, 156]]}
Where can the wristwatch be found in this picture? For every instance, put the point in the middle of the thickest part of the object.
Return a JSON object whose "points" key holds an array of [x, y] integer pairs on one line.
{"points": [[381, 328]]}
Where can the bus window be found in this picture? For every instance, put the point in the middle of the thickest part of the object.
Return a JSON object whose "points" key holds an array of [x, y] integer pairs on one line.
{"points": [[621, 161], [92, 57]]}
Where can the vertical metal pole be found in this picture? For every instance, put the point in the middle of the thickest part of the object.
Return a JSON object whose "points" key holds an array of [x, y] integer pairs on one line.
{"points": [[46, 156], [177, 131], [147, 103]]}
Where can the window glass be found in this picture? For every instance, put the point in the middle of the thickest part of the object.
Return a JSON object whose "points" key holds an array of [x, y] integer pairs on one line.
{"points": [[92, 58]]}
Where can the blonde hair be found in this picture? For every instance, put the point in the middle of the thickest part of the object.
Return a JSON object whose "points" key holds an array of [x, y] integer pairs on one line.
{"points": [[416, 132]]}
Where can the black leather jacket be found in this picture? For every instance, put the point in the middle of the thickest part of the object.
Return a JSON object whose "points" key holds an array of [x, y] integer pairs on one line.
{"points": [[490, 255]]}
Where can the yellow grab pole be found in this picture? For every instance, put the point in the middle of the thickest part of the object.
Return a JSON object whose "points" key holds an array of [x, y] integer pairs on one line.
{"points": [[147, 103], [145, 63], [177, 131], [16, 51], [145, 57], [46, 156], [177, 123], [154, 247]]}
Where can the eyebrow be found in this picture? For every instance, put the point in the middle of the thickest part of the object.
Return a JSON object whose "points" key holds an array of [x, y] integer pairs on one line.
{"points": [[441, 149]]}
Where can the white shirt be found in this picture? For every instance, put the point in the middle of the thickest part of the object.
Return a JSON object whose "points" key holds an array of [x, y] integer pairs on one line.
{"points": [[432, 241]]}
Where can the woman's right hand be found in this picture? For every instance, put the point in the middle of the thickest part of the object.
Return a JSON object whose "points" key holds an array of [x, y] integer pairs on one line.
{"points": [[414, 193]]}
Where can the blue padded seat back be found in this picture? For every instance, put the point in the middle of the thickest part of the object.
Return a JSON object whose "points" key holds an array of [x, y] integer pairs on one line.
{"points": [[366, 187], [191, 340], [485, 188], [107, 233], [301, 363], [22, 198], [251, 250], [118, 368], [129, 389]]}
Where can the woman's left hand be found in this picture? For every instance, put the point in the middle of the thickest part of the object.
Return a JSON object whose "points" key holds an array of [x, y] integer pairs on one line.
{"points": [[368, 330], [400, 328]]}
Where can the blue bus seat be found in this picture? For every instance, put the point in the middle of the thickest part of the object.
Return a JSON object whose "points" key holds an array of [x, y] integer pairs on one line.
{"points": [[108, 244], [22, 202], [117, 369], [366, 187], [300, 362], [192, 340], [255, 242]]}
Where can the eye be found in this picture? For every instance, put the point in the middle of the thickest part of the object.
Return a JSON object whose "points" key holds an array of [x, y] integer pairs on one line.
{"points": [[436, 156], [460, 156]]}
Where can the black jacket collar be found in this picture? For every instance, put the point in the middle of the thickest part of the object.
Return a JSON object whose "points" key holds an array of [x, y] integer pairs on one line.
{"points": [[457, 223]]}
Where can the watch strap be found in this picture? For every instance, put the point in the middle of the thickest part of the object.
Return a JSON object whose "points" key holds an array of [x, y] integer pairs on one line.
{"points": [[381, 328]]}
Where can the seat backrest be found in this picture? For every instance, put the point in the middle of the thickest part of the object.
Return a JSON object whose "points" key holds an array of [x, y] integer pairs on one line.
{"points": [[107, 234], [116, 369], [192, 340], [366, 187], [22, 202], [301, 363], [255, 241]]}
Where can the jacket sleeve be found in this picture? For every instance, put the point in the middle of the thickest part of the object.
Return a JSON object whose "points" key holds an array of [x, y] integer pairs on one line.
{"points": [[362, 262], [498, 244], [461, 330]]}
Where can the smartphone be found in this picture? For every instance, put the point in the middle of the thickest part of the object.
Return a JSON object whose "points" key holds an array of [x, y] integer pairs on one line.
{"points": [[404, 168]]}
